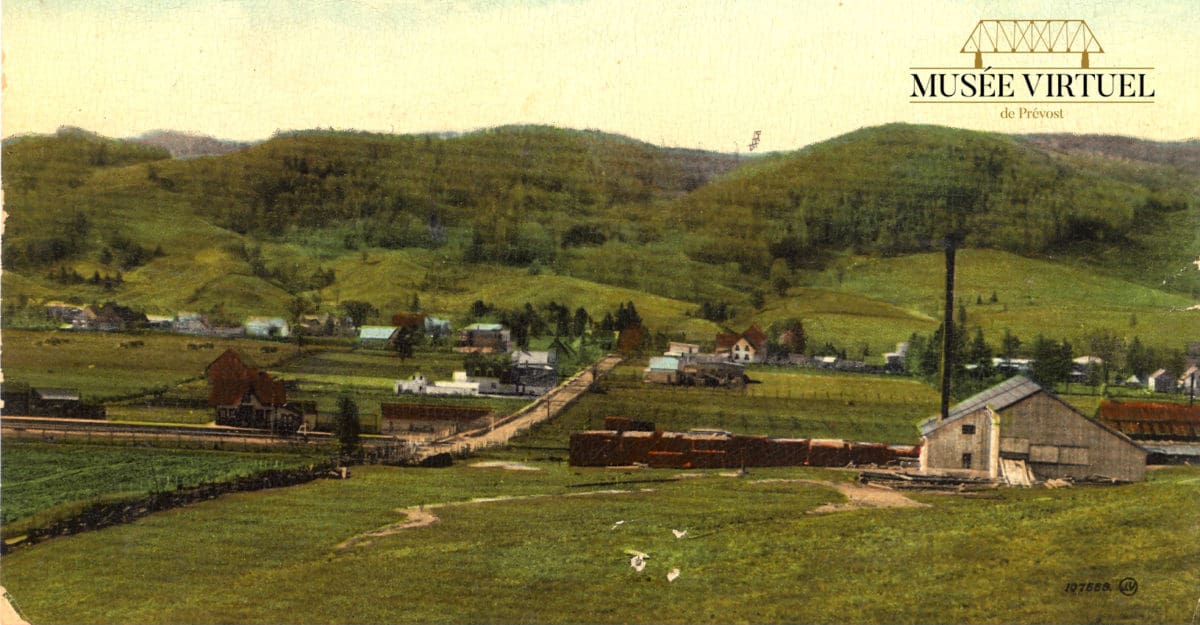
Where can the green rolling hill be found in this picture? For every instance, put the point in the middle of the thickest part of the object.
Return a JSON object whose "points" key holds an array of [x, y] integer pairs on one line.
{"points": [[841, 234]]}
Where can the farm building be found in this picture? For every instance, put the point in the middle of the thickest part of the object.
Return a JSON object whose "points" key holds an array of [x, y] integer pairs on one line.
{"points": [[244, 396], [662, 370], [267, 327], [1152, 420], [1017, 428], [484, 338], [433, 419], [710, 370], [375, 337], [190, 323]]}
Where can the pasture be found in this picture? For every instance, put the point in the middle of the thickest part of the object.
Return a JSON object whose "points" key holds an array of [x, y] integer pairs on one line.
{"points": [[41, 480], [752, 553]]}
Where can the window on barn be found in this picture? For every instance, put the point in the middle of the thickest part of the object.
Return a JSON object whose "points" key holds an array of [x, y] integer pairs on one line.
{"points": [[966, 461], [968, 428]]}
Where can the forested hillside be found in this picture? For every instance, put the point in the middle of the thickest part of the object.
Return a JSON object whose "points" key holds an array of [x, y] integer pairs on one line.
{"points": [[556, 214]]}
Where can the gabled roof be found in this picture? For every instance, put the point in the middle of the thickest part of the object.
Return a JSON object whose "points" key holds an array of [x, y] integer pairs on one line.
{"points": [[382, 333], [998, 397], [755, 336]]}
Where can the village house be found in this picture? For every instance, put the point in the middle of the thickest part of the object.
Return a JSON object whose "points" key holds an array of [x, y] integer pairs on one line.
{"points": [[65, 313], [749, 346], [263, 327], [534, 373], [1161, 381], [111, 317], [484, 338], [1017, 431], [1189, 382], [894, 361], [247, 397], [191, 323], [1083, 367]]}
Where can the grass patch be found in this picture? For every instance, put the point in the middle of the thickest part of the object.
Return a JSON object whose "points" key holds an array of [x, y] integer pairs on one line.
{"points": [[43, 478], [751, 554]]}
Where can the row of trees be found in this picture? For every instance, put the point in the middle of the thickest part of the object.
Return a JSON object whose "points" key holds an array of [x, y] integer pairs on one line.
{"points": [[1051, 360]]}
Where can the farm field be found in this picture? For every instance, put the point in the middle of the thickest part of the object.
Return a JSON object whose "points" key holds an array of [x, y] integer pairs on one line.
{"points": [[752, 553], [96, 364], [786, 403], [40, 479]]}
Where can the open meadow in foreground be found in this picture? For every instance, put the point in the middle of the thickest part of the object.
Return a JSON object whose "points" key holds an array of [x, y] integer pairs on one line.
{"points": [[336, 551]]}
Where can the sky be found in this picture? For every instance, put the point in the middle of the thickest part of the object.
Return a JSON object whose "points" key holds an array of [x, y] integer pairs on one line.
{"points": [[689, 74]]}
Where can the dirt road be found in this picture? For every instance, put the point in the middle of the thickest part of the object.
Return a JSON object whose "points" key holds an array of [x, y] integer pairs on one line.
{"points": [[545, 408]]}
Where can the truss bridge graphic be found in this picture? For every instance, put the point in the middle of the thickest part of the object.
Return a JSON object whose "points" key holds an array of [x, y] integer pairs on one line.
{"points": [[1032, 37]]}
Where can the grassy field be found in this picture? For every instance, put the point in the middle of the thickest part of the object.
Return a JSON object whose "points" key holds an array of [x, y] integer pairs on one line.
{"points": [[785, 403], [50, 479], [1034, 297], [96, 365], [751, 554]]}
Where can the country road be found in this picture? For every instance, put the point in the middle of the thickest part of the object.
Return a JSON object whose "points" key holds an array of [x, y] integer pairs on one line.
{"points": [[497, 433], [545, 408]]}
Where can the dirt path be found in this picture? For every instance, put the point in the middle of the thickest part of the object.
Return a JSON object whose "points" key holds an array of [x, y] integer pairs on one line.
{"points": [[421, 516], [869, 496], [9, 614]]}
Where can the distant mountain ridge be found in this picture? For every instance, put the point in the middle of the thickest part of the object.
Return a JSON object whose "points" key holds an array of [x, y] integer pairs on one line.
{"points": [[1182, 154], [188, 145]]}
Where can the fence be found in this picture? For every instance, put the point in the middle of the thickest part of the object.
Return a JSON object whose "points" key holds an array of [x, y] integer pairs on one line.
{"points": [[105, 514]]}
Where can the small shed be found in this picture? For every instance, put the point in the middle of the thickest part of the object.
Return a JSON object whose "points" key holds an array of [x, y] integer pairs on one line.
{"points": [[1018, 423]]}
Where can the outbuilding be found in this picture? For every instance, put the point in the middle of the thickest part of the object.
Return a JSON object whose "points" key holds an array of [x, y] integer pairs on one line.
{"points": [[1017, 428]]}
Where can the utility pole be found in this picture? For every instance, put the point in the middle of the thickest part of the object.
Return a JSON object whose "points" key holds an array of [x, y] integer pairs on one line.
{"points": [[948, 329]]}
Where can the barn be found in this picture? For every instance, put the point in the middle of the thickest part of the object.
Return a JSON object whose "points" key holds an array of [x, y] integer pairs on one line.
{"points": [[1017, 429]]}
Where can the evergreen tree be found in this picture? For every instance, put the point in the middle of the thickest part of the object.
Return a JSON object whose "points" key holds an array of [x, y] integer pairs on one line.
{"points": [[346, 426]]}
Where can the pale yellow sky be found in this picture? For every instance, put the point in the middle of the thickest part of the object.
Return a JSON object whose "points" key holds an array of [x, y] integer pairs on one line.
{"points": [[693, 74]]}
